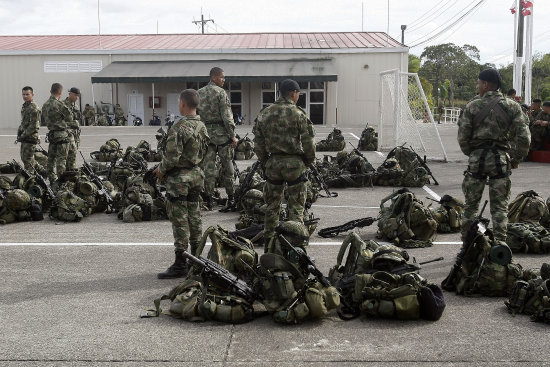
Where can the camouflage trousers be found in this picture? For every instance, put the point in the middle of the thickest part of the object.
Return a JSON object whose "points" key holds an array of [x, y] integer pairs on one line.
{"points": [[74, 143], [57, 160], [499, 195], [280, 170], [183, 208], [538, 135], [27, 156], [209, 167]]}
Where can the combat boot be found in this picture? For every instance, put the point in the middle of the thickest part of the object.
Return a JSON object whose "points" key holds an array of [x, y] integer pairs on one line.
{"points": [[231, 202], [193, 249], [545, 271], [178, 269], [209, 202]]}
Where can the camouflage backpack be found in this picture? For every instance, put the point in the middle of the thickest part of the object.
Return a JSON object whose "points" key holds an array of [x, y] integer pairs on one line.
{"points": [[334, 142], [449, 215], [369, 139], [527, 207], [244, 149], [406, 222], [68, 207], [532, 297], [487, 268], [528, 238], [108, 152], [414, 174], [389, 173]]}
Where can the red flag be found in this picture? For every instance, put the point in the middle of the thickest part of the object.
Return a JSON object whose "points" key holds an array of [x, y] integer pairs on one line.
{"points": [[526, 12], [513, 8], [526, 4]]}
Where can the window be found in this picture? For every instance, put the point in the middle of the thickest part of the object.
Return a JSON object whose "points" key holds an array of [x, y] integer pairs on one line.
{"points": [[268, 94], [235, 94], [316, 110], [73, 66]]}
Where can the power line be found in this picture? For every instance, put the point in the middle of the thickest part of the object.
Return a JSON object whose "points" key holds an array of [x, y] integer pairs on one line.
{"points": [[423, 16], [427, 20], [455, 22]]}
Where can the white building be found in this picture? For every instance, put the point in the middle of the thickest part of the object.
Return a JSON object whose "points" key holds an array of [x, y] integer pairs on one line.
{"points": [[338, 72]]}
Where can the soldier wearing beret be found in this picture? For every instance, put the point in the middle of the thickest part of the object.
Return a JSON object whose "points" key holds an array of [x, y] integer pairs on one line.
{"points": [[493, 133], [73, 127], [284, 143]]}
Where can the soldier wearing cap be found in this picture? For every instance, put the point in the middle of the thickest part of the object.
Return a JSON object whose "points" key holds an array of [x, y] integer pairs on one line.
{"points": [[284, 143], [215, 112], [89, 115], [27, 134], [540, 131], [493, 133], [73, 127], [120, 120]]}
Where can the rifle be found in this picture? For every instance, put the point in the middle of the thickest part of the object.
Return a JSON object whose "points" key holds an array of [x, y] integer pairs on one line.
{"points": [[211, 271], [423, 164], [254, 230], [235, 168], [317, 176], [151, 179], [42, 182], [41, 150], [22, 169], [358, 152], [88, 171], [336, 230], [243, 188], [448, 283]]}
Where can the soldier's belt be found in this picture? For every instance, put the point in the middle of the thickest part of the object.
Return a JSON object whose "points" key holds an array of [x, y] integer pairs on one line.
{"points": [[177, 169], [214, 123]]}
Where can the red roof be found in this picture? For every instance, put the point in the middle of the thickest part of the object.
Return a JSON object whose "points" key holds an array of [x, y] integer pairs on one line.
{"points": [[228, 41]]}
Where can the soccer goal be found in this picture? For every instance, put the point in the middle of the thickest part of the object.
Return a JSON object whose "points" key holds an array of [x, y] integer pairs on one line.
{"points": [[405, 116]]}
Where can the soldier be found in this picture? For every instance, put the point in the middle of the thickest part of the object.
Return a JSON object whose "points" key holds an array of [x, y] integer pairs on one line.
{"points": [[284, 143], [120, 120], [215, 112], [57, 115], [73, 127], [101, 119], [489, 127], [186, 146], [534, 110], [89, 115], [27, 134], [540, 132]]}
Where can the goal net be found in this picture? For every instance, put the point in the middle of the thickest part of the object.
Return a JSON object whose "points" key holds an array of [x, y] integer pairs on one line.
{"points": [[405, 116]]}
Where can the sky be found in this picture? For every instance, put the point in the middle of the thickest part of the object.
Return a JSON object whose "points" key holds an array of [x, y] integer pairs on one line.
{"points": [[489, 27]]}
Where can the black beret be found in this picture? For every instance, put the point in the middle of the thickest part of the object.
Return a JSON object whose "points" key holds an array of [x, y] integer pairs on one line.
{"points": [[74, 90], [491, 76], [546, 104], [288, 85]]}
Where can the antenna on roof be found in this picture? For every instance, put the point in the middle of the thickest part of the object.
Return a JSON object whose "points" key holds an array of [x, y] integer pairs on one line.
{"points": [[202, 21], [98, 25]]}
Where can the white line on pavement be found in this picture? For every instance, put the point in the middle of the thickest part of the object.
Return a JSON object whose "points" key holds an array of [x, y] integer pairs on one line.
{"points": [[114, 244], [431, 192], [355, 136], [379, 153], [345, 206]]}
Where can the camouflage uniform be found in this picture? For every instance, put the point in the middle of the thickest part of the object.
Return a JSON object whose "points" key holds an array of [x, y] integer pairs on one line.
{"points": [[539, 133], [120, 120], [89, 116], [215, 112], [487, 143], [284, 143], [57, 117], [27, 134], [74, 134], [102, 120], [185, 148]]}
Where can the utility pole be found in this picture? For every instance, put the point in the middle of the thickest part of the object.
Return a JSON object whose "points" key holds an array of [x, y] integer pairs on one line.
{"points": [[518, 52], [202, 21], [403, 27]]}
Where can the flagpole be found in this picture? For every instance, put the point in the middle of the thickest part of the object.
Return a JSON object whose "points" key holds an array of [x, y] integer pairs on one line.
{"points": [[528, 54]]}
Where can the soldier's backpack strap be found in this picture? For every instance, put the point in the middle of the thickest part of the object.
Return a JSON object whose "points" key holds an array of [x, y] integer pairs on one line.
{"points": [[486, 110]]}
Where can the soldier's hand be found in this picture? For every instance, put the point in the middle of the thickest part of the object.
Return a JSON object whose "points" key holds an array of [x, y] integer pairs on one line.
{"points": [[514, 164], [234, 142], [157, 173]]}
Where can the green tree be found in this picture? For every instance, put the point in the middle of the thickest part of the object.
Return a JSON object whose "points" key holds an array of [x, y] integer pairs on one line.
{"points": [[414, 63], [458, 64]]}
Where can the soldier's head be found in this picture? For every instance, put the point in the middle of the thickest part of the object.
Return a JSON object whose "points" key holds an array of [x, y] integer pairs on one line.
{"points": [[27, 93], [217, 75], [511, 93], [535, 105], [87, 107], [488, 80], [546, 107], [290, 89], [56, 90], [188, 102], [74, 93], [117, 105]]}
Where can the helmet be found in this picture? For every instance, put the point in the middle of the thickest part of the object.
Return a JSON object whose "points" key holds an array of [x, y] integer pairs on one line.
{"points": [[18, 199], [390, 163], [295, 232], [251, 198], [5, 183], [341, 156]]}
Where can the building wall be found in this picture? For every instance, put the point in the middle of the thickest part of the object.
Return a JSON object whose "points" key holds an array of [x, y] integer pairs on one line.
{"points": [[354, 95]]}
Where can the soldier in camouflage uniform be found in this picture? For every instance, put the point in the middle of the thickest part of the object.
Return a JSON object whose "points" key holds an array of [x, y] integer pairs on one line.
{"points": [[57, 116], [73, 127], [534, 110], [101, 119], [186, 146], [215, 112], [120, 120], [489, 127], [540, 131], [89, 115], [27, 134], [284, 143]]}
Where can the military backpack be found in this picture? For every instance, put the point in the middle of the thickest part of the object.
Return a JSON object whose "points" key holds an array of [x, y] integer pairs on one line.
{"points": [[527, 207], [532, 297], [528, 238], [369, 139]]}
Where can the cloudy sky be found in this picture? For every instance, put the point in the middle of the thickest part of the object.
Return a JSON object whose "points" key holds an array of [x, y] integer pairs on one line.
{"points": [[489, 26]]}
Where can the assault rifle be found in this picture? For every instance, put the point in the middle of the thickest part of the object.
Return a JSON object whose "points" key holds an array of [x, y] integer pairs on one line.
{"points": [[41, 150], [243, 188], [336, 230], [448, 283], [321, 181], [21, 169], [89, 171], [424, 165], [223, 278], [151, 179], [254, 230], [358, 152], [42, 182]]}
